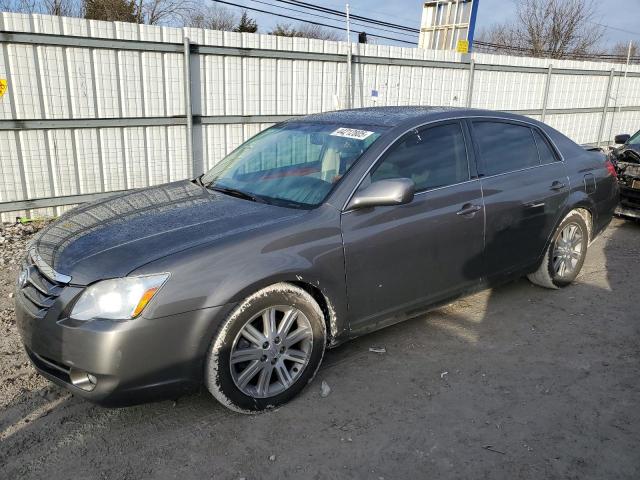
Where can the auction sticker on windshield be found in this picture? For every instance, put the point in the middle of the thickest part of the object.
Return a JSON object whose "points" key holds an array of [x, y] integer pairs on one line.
{"points": [[351, 133]]}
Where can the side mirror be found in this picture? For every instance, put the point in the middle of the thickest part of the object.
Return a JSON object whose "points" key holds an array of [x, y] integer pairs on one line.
{"points": [[396, 191], [623, 138]]}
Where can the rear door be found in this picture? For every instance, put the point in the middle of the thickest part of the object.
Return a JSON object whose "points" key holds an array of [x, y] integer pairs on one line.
{"points": [[525, 188], [399, 257]]}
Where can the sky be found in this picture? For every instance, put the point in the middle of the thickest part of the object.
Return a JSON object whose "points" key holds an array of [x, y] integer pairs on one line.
{"points": [[617, 15]]}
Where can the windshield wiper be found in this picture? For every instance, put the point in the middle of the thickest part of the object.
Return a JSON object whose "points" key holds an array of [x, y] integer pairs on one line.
{"points": [[282, 202], [234, 192], [198, 180]]}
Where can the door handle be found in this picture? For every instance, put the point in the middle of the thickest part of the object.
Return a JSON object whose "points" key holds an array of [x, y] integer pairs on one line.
{"points": [[557, 185], [469, 209]]}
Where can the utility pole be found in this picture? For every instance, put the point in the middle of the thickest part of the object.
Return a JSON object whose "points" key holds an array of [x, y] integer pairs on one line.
{"points": [[348, 102]]}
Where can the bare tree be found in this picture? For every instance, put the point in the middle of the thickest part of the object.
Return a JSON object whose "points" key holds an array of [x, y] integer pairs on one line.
{"points": [[283, 30], [163, 12], [213, 18], [304, 30], [622, 49], [308, 30], [62, 8], [152, 12], [19, 6], [549, 28], [67, 8]]}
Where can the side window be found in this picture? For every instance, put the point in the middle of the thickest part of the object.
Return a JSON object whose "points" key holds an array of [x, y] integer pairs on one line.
{"points": [[544, 149], [505, 147], [432, 157]]}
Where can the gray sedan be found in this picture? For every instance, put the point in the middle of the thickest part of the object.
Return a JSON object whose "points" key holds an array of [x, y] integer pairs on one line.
{"points": [[313, 232]]}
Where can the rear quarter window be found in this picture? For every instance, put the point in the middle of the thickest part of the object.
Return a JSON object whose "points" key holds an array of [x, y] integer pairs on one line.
{"points": [[547, 155]]}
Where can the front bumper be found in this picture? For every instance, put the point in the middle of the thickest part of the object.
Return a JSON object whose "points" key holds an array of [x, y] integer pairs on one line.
{"points": [[627, 212], [133, 361], [629, 202]]}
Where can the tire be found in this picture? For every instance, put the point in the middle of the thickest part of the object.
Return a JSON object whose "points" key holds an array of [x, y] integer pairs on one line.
{"points": [[249, 366], [548, 274]]}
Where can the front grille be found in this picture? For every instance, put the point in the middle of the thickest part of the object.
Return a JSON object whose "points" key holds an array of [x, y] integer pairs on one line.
{"points": [[38, 291], [629, 197]]}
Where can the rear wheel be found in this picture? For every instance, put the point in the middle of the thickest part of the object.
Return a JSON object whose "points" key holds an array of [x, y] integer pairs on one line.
{"points": [[565, 254], [268, 349]]}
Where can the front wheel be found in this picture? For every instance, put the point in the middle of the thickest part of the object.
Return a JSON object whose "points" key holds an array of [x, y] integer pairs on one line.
{"points": [[267, 350], [565, 254]]}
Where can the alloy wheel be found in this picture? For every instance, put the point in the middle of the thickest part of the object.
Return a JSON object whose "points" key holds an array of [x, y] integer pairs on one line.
{"points": [[271, 351], [568, 250]]}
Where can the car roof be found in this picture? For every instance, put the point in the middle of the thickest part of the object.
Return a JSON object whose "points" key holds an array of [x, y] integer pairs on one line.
{"points": [[395, 116]]}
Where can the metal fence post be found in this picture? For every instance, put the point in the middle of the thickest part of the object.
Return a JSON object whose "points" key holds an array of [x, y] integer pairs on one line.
{"points": [[187, 101], [43, 114], [193, 106], [545, 100], [472, 67], [606, 106], [616, 104], [349, 99]]}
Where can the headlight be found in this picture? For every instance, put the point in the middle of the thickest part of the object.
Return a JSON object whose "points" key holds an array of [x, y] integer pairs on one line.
{"points": [[119, 298]]}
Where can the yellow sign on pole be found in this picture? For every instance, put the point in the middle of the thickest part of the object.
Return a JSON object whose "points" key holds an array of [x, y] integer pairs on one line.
{"points": [[3, 87], [463, 46]]}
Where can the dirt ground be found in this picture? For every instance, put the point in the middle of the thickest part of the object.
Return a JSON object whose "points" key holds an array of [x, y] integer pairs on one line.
{"points": [[516, 382]]}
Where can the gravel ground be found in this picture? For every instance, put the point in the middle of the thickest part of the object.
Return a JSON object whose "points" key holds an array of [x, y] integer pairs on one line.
{"points": [[515, 382]]}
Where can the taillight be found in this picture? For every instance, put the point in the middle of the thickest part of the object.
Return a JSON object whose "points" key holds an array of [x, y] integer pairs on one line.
{"points": [[610, 168]]}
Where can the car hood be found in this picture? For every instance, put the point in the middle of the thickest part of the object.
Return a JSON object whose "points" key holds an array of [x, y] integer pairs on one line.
{"points": [[113, 237]]}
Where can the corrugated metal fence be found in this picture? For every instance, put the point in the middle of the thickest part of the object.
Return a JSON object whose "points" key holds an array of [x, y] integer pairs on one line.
{"points": [[95, 107]]}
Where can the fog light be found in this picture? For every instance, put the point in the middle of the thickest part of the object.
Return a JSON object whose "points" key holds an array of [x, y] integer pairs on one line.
{"points": [[82, 379]]}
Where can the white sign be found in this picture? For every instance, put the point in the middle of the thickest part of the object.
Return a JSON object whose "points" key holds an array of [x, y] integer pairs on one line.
{"points": [[351, 133]]}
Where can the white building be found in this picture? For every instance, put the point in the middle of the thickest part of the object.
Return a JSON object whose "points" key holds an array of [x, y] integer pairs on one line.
{"points": [[446, 22]]}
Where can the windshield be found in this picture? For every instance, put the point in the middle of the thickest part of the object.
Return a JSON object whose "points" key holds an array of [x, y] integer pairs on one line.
{"points": [[635, 139], [294, 164]]}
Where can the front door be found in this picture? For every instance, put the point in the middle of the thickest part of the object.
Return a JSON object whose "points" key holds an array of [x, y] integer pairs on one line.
{"points": [[401, 257]]}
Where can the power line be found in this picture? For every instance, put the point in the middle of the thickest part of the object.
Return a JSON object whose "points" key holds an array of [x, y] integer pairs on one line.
{"points": [[394, 25], [370, 11], [330, 19], [339, 13], [357, 17], [307, 21], [616, 28], [548, 53]]}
